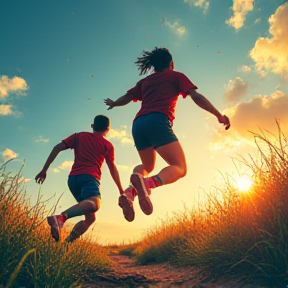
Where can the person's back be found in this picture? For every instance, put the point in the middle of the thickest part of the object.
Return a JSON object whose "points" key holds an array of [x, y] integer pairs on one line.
{"points": [[159, 92], [90, 151]]}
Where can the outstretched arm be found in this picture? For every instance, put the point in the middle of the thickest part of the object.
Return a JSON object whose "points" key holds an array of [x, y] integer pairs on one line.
{"points": [[205, 104], [115, 176], [121, 101], [41, 176]]}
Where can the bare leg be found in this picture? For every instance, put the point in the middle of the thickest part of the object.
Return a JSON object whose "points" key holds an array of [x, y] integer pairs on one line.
{"points": [[148, 158], [81, 227], [173, 154], [87, 206]]}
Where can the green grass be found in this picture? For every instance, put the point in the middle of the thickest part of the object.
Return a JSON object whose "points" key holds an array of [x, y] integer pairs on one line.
{"points": [[234, 235], [29, 257]]}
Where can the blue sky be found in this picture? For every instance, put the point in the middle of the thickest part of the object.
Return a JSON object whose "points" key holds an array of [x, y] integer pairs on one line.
{"points": [[60, 59]]}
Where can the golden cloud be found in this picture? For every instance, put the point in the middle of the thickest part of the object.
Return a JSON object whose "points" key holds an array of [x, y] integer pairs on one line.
{"points": [[259, 113], [271, 54], [240, 9], [66, 165], [199, 3], [14, 85], [244, 68], [5, 109], [120, 135], [237, 90], [9, 154], [180, 30]]}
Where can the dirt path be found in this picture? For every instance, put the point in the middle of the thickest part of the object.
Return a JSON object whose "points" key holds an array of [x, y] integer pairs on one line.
{"points": [[126, 273]]}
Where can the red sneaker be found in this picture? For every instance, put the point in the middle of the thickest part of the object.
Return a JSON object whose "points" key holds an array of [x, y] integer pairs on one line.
{"points": [[56, 222], [126, 203], [143, 191]]}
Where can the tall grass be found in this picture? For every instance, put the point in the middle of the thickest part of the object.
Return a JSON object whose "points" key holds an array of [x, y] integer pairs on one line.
{"points": [[29, 257], [235, 234]]}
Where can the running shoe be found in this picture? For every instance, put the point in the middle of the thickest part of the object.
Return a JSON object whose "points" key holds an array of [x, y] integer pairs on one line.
{"points": [[126, 203], [56, 222], [143, 191]]}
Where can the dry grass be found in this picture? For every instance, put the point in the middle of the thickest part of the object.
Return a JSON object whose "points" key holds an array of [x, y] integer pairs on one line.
{"points": [[29, 257], [235, 234]]}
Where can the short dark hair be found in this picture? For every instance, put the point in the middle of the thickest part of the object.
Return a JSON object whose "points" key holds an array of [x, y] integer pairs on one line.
{"points": [[159, 58], [101, 123]]}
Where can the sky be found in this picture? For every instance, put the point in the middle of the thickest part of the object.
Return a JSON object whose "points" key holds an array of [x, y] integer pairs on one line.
{"points": [[60, 59]]}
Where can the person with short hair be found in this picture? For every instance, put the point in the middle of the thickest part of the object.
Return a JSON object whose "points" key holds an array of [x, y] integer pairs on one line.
{"points": [[152, 127], [90, 151]]}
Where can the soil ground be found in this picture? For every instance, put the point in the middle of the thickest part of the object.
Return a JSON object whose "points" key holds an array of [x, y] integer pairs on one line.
{"points": [[126, 273]]}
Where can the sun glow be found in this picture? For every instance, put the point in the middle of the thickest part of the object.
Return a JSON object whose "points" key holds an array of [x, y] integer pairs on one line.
{"points": [[244, 183]]}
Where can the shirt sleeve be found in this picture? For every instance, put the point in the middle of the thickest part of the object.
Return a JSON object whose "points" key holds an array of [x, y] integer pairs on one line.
{"points": [[70, 141], [136, 92], [185, 85]]}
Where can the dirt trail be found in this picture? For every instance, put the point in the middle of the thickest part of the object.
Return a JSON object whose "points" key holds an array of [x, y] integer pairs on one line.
{"points": [[126, 273]]}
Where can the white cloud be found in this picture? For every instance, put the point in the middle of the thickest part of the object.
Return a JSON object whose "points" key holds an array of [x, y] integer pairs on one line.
{"points": [[175, 27], [257, 20], [6, 110], [122, 167], [66, 165], [271, 54], [9, 154], [120, 135], [240, 9], [25, 180], [260, 112], [14, 85], [244, 68], [199, 3], [237, 90], [40, 138]]}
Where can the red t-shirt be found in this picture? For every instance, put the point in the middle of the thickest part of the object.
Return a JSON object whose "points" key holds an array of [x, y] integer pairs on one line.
{"points": [[159, 92], [90, 150]]}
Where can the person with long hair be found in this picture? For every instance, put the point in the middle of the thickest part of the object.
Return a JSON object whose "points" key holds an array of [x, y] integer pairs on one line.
{"points": [[152, 127]]}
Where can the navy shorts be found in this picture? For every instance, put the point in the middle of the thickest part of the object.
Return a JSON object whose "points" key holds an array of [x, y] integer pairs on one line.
{"points": [[84, 186], [152, 130]]}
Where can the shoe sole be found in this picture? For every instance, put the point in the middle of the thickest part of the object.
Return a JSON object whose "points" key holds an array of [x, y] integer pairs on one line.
{"points": [[144, 201], [127, 208], [55, 229]]}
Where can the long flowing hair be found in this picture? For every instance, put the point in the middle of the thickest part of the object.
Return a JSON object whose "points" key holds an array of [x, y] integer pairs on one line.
{"points": [[158, 58]]}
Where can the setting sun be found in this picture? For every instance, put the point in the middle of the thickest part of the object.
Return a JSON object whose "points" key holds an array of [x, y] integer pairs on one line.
{"points": [[244, 183]]}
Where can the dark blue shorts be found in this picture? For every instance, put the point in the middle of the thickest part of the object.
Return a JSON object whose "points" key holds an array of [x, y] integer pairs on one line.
{"points": [[84, 186], [152, 130]]}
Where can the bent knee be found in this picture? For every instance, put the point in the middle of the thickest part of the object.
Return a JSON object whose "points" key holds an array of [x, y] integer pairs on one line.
{"points": [[183, 172], [95, 203]]}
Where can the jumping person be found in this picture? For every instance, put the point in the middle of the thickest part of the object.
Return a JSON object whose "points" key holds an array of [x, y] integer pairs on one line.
{"points": [[152, 127], [90, 150]]}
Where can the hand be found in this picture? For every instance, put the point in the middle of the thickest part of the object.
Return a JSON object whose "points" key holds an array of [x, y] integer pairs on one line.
{"points": [[109, 102], [224, 120], [40, 177]]}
